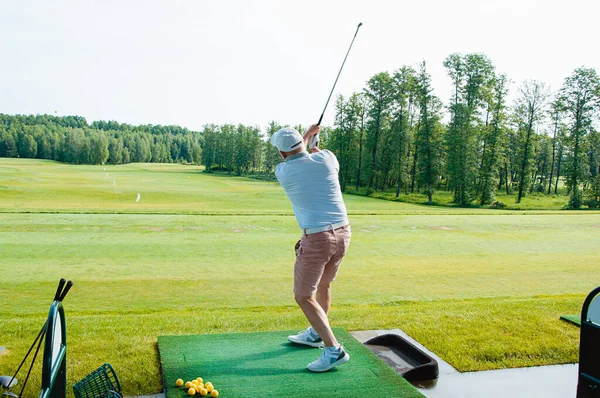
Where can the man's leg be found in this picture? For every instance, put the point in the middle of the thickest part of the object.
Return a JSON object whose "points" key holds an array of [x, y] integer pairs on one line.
{"points": [[333, 354], [324, 295], [319, 280], [331, 270], [310, 275], [317, 318]]}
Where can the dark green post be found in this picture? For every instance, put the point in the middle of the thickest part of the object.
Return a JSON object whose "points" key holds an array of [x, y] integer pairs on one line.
{"points": [[54, 369]]}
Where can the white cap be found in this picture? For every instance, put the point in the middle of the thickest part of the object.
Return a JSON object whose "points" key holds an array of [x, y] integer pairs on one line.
{"points": [[287, 139]]}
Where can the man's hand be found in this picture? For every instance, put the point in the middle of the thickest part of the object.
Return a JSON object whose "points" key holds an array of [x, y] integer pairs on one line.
{"points": [[312, 130], [311, 138]]}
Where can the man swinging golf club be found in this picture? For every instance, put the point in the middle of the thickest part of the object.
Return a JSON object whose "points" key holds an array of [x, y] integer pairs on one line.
{"points": [[311, 183]]}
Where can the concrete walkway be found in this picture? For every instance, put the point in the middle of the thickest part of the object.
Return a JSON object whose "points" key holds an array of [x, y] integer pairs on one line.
{"points": [[556, 381], [544, 381]]}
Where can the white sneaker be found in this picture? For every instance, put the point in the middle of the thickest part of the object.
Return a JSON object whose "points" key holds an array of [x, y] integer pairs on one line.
{"points": [[331, 356], [307, 337]]}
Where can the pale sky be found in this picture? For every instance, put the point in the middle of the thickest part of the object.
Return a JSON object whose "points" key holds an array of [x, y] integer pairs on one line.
{"points": [[195, 62]]}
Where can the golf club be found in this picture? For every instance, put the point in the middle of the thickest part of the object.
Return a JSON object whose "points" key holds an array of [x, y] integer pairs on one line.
{"points": [[315, 140]]}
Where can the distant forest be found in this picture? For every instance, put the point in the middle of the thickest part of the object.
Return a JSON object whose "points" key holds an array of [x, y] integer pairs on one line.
{"points": [[394, 135]]}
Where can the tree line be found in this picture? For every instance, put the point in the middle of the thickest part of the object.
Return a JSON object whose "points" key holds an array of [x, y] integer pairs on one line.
{"points": [[70, 139], [395, 134]]}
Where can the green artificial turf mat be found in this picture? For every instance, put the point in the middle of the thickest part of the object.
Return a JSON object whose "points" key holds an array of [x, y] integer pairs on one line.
{"points": [[265, 364], [574, 319]]}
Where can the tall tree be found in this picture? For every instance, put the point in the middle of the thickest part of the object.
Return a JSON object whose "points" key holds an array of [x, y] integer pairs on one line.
{"points": [[196, 153], [344, 138], [362, 106], [404, 92], [356, 111], [115, 150], [494, 141], [379, 93], [209, 152], [529, 111], [561, 142], [542, 164], [581, 96], [98, 148], [429, 136], [556, 114], [470, 74], [141, 149]]}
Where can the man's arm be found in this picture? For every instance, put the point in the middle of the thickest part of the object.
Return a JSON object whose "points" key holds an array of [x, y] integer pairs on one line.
{"points": [[312, 136]]}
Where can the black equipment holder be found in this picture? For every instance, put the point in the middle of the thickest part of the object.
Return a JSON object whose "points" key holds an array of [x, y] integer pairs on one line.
{"points": [[588, 384]]}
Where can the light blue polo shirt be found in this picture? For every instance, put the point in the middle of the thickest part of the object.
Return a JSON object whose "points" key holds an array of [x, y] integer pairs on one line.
{"points": [[311, 183]]}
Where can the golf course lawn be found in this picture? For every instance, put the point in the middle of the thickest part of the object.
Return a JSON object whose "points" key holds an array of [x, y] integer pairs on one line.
{"points": [[199, 253]]}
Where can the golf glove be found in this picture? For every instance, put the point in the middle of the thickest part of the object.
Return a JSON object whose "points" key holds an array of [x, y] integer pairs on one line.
{"points": [[313, 142]]}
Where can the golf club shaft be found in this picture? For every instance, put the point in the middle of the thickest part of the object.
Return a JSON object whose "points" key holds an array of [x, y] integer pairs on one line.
{"points": [[338, 75], [37, 350], [39, 337]]}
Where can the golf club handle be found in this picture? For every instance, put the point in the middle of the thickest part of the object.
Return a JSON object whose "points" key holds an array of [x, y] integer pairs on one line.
{"points": [[64, 293], [320, 119], [61, 284]]}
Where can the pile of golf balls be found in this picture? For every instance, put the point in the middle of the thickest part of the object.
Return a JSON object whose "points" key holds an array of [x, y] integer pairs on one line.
{"points": [[198, 386]]}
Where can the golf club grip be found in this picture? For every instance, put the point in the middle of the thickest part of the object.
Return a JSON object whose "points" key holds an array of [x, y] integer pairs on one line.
{"points": [[61, 283], [64, 293], [320, 119]]}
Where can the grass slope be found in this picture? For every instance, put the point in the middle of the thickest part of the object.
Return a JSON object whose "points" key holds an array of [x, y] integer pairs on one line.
{"points": [[42, 186]]}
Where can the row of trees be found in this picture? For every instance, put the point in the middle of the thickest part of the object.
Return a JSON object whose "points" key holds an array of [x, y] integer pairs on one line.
{"points": [[243, 149], [70, 139], [395, 134]]}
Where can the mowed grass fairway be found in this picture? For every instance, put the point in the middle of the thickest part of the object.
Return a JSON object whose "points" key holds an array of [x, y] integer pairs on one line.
{"points": [[200, 253]]}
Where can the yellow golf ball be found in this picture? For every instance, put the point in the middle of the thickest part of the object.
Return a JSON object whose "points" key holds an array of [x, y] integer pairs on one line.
{"points": [[208, 383], [201, 385], [191, 391], [199, 380], [203, 392], [210, 387], [179, 382], [188, 384], [214, 393]]}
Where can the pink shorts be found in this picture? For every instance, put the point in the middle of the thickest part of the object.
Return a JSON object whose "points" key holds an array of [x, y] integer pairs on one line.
{"points": [[318, 258]]}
